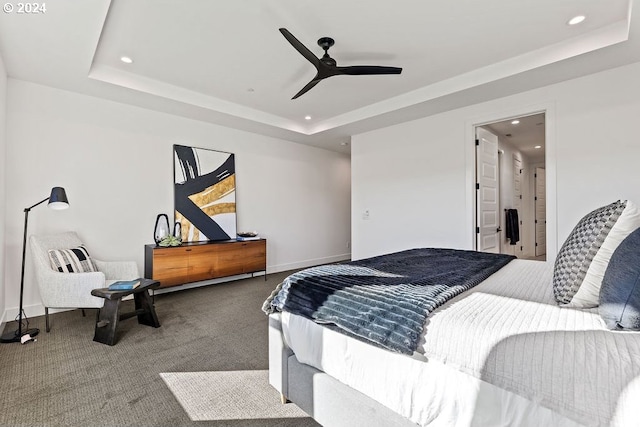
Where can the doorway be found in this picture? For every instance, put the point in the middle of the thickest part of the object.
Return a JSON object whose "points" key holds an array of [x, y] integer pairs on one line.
{"points": [[519, 212]]}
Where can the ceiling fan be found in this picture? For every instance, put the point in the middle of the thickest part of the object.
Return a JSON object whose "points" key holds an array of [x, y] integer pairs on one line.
{"points": [[326, 65]]}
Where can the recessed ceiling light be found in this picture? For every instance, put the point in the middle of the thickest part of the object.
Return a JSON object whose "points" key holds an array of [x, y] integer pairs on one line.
{"points": [[515, 122], [538, 146], [251, 89], [344, 143], [576, 20], [126, 59], [307, 117]]}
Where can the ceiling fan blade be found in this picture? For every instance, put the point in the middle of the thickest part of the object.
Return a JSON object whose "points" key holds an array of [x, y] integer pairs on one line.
{"points": [[307, 87], [359, 70], [300, 47]]}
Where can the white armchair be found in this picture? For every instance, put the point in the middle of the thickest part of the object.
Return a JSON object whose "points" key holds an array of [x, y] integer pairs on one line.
{"points": [[73, 290]]}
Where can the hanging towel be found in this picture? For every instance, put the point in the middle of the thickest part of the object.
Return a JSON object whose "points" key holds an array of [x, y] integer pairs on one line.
{"points": [[513, 227]]}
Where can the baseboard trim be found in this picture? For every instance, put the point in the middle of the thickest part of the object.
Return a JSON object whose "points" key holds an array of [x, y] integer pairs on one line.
{"points": [[270, 270], [207, 283], [35, 310], [308, 263]]}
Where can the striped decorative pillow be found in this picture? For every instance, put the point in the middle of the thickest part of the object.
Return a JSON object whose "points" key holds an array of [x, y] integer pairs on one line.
{"points": [[75, 260], [584, 256]]}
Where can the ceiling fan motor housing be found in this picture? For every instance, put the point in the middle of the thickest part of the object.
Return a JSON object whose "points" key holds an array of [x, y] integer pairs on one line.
{"points": [[326, 42]]}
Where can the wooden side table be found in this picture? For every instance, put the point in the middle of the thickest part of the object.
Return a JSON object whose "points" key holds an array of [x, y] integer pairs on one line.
{"points": [[109, 315]]}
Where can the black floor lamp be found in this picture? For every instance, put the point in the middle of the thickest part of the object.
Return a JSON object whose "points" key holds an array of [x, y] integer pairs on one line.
{"points": [[57, 200]]}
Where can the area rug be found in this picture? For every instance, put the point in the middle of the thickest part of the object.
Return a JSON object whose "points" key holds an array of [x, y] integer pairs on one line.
{"points": [[228, 395]]}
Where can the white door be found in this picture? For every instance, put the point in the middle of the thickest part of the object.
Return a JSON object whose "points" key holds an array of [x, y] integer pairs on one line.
{"points": [[541, 212], [517, 201], [487, 192]]}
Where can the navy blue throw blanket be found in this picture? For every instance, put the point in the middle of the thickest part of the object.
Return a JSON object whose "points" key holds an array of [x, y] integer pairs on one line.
{"points": [[384, 299]]}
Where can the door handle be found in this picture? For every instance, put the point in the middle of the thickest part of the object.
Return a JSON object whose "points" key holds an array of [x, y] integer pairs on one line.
{"points": [[498, 230]]}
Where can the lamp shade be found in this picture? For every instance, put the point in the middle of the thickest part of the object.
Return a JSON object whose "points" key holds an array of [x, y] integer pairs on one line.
{"points": [[58, 199]]}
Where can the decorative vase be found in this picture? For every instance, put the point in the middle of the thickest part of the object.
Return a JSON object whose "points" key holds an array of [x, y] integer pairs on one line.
{"points": [[161, 229], [177, 230]]}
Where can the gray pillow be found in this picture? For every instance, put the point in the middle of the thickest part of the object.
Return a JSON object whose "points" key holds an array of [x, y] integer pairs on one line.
{"points": [[620, 291]]}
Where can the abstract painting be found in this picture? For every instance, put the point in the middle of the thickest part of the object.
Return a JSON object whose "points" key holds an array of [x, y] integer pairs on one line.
{"points": [[204, 193]]}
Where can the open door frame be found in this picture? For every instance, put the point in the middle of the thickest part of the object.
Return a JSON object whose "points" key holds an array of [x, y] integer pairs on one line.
{"points": [[550, 165]]}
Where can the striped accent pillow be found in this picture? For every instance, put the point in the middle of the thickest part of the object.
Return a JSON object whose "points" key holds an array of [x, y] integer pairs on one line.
{"points": [[75, 260]]}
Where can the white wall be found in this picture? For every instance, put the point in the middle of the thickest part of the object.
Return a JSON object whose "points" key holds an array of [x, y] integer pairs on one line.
{"points": [[415, 180], [408, 177], [116, 161], [3, 169]]}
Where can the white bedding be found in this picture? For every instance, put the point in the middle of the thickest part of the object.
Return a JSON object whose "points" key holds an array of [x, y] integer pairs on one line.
{"points": [[503, 352]]}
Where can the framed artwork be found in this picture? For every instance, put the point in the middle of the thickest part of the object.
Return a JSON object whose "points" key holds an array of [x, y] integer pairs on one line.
{"points": [[204, 193]]}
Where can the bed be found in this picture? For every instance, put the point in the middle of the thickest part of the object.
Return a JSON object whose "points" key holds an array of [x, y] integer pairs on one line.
{"points": [[502, 352]]}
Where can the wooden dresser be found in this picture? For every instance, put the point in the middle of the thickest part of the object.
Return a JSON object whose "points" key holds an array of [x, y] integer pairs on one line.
{"points": [[193, 262]]}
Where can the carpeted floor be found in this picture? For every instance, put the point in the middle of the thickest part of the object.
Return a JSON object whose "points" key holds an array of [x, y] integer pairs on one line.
{"points": [[66, 379]]}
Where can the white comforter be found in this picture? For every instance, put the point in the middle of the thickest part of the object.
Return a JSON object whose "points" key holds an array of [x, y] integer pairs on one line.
{"points": [[502, 352]]}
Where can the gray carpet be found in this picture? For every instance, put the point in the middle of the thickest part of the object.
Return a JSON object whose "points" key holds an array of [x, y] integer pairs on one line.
{"points": [[66, 379]]}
